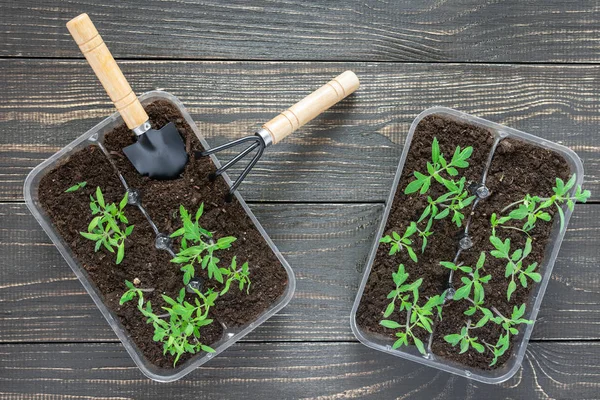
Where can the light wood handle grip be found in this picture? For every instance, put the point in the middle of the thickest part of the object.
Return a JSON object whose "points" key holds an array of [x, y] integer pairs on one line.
{"points": [[311, 106], [108, 72]]}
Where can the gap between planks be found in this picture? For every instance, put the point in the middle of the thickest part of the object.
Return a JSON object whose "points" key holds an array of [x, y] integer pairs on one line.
{"points": [[300, 61]]}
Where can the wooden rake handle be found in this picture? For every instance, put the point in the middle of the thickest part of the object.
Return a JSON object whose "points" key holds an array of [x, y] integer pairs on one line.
{"points": [[108, 72], [311, 106]]}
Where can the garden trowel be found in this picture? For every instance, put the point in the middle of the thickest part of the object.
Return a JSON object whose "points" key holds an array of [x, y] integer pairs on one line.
{"points": [[160, 154]]}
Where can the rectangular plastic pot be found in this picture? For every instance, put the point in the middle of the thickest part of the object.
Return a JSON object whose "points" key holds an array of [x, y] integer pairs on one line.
{"points": [[520, 345], [230, 335]]}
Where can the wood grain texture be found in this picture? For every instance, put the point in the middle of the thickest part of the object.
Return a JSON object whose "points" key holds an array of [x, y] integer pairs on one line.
{"points": [[54, 343], [323, 371], [326, 245], [349, 153], [404, 30], [311, 106]]}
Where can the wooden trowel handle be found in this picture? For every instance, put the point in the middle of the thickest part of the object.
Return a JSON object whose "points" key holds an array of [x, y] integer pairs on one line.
{"points": [[311, 106], [104, 65]]}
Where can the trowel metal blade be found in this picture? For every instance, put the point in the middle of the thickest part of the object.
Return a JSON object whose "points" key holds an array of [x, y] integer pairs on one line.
{"points": [[160, 154]]}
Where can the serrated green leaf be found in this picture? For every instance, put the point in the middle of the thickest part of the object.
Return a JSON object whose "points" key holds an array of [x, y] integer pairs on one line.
{"points": [[512, 286], [76, 187], [482, 321], [127, 296], [544, 216], [91, 236], [389, 310], [523, 280], [413, 187], [178, 232], [123, 201], [390, 324], [207, 349], [466, 269], [517, 255], [199, 212], [120, 253], [412, 254], [385, 239], [99, 197], [536, 277], [443, 214], [519, 213], [419, 345], [412, 228], [225, 242], [570, 183], [462, 292], [435, 150], [470, 311], [425, 186], [561, 215], [464, 345], [449, 265], [453, 339], [478, 347], [425, 213]]}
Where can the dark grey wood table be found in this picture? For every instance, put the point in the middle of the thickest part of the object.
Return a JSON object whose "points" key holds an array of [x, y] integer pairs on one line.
{"points": [[533, 65]]}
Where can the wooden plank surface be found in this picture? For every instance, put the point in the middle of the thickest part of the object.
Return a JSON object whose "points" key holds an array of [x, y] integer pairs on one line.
{"points": [[327, 245], [404, 30], [234, 65], [349, 154], [323, 371]]}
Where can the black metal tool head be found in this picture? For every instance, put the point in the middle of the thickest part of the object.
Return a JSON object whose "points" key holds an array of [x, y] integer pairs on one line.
{"points": [[160, 154], [256, 142]]}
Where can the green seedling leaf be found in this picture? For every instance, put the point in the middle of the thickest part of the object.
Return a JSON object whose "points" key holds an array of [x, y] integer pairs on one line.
{"points": [[478, 347], [419, 345], [123, 202], [462, 293], [390, 324], [413, 187], [385, 239], [561, 214], [99, 197], [435, 151], [512, 286], [412, 254], [536, 277], [453, 339], [120, 253], [108, 227], [519, 213], [76, 187]]}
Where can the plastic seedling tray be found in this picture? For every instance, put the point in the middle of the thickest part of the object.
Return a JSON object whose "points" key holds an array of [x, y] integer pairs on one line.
{"points": [[519, 345], [95, 136]]}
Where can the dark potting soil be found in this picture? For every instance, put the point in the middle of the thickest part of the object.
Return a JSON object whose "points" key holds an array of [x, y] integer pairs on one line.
{"points": [[70, 214], [517, 168]]}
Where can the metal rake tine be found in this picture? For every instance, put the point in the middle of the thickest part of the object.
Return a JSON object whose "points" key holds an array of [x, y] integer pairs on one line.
{"points": [[234, 160], [245, 172], [228, 145]]}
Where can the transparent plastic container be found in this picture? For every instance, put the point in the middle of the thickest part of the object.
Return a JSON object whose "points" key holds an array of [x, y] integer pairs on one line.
{"points": [[230, 335], [382, 343]]}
